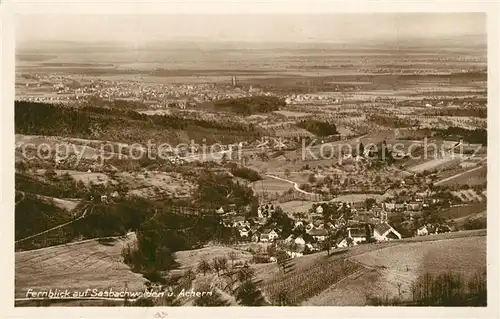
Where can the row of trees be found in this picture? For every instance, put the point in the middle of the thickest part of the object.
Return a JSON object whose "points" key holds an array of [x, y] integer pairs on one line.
{"points": [[480, 112], [393, 121], [446, 289]]}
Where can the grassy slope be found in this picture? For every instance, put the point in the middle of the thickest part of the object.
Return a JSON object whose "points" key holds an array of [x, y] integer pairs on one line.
{"points": [[269, 274], [463, 211], [75, 267], [476, 177], [387, 268]]}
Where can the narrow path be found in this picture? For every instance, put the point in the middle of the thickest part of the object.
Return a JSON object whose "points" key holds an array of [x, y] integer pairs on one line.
{"points": [[295, 185], [58, 226]]}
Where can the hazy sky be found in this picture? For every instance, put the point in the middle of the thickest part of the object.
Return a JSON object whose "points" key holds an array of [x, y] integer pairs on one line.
{"points": [[262, 28]]}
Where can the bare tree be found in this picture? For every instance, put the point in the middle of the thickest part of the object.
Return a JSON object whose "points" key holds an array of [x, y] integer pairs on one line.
{"points": [[245, 273], [287, 172]]}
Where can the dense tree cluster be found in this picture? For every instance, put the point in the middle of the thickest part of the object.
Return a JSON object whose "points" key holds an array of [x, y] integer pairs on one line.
{"points": [[63, 187], [216, 190], [34, 214], [318, 128], [250, 105], [124, 125], [101, 220], [246, 173], [167, 233], [479, 136]]}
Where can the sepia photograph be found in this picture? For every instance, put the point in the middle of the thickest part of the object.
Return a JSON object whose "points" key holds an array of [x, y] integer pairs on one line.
{"points": [[235, 160]]}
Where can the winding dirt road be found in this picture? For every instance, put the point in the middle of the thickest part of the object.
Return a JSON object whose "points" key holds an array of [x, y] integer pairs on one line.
{"points": [[295, 185]]}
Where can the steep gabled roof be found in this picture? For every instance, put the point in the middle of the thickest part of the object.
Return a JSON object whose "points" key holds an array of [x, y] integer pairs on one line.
{"points": [[382, 228]]}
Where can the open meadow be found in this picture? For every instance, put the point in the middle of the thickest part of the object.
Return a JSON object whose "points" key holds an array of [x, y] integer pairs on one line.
{"points": [[189, 258]]}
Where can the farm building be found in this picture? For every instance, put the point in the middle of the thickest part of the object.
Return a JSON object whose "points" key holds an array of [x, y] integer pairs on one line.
{"points": [[239, 221], [415, 206], [390, 206], [319, 234], [345, 242], [244, 232], [295, 251], [269, 235], [357, 234], [264, 238], [422, 231], [299, 241], [385, 232]]}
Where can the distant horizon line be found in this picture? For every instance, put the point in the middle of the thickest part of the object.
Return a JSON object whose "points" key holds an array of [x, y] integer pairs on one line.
{"points": [[196, 39], [483, 39]]}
